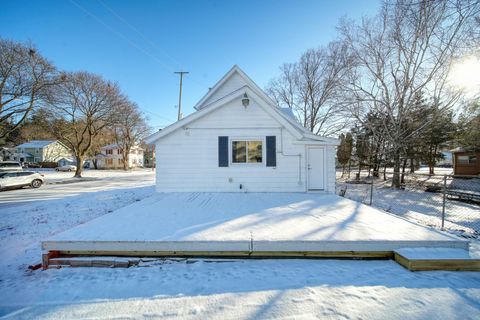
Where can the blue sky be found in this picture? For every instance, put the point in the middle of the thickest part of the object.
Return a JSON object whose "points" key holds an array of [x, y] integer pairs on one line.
{"points": [[139, 44]]}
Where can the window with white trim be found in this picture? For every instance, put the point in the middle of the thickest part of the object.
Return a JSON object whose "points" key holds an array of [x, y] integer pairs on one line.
{"points": [[247, 151]]}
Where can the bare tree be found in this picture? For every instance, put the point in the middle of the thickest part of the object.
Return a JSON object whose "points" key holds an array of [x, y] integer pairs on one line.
{"points": [[105, 137], [404, 51], [84, 104], [310, 88], [24, 76], [130, 129]]}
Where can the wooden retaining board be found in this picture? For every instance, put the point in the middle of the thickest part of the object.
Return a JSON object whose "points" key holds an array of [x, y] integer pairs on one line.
{"points": [[233, 249], [430, 263], [64, 258]]}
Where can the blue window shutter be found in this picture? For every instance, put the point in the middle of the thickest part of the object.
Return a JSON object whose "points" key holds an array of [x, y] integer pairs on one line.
{"points": [[271, 151], [223, 151]]}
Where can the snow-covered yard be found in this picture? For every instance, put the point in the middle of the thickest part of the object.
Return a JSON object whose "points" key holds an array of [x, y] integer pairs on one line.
{"points": [[198, 288], [416, 204], [253, 289]]}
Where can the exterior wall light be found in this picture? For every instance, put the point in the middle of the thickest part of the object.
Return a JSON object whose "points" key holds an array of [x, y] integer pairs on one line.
{"points": [[245, 100]]}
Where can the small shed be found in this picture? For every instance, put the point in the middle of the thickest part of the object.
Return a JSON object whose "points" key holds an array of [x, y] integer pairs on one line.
{"points": [[466, 162]]}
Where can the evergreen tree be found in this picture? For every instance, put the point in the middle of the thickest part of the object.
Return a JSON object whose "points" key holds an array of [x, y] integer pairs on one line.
{"points": [[344, 150], [468, 128]]}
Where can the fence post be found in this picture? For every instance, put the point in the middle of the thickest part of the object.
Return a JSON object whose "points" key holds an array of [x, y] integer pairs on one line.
{"points": [[444, 200], [371, 193]]}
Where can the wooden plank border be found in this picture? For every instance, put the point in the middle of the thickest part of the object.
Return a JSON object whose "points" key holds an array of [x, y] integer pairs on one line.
{"points": [[437, 264]]}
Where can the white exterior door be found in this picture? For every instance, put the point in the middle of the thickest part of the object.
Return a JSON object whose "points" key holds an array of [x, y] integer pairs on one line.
{"points": [[315, 168]]}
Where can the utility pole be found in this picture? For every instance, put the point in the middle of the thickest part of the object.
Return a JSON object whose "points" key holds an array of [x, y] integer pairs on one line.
{"points": [[181, 73]]}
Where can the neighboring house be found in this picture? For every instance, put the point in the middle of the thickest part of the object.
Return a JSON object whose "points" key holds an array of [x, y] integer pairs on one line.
{"points": [[6, 154], [41, 151], [111, 157], [466, 162], [238, 140]]}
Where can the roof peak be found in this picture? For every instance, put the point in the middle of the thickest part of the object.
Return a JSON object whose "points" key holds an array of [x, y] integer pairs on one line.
{"points": [[246, 79]]}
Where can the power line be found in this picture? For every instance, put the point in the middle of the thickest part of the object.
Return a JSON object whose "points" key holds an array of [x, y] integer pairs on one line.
{"points": [[121, 35], [118, 33], [159, 116], [145, 38], [141, 34]]}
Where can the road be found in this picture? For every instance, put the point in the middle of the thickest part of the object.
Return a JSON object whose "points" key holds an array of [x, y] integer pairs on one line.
{"points": [[97, 181]]}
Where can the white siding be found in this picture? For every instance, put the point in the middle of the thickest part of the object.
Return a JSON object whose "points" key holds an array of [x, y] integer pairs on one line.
{"points": [[330, 168], [231, 84], [187, 159]]}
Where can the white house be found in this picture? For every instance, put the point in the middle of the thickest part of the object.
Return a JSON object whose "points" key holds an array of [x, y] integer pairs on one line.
{"points": [[239, 140], [111, 157]]}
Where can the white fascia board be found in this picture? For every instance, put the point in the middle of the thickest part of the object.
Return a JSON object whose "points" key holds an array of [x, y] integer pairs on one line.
{"points": [[192, 117], [253, 86], [215, 87], [315, 142], [311, 136]]}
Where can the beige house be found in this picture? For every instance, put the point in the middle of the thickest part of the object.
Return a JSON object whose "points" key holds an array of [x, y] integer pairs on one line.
{"points": [[111, 157], [41, 151]]}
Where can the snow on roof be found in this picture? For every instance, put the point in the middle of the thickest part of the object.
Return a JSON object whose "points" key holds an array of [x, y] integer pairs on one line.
{"points": [[35, 144], [24, 155], [289, 113]]}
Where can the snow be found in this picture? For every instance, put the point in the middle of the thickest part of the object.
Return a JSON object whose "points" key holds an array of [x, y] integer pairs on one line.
{"points": [[35, 144], [257, 217], [62, 184], [245, 289], [201, 288], [437, 253], [413, 203], [30, 215]]}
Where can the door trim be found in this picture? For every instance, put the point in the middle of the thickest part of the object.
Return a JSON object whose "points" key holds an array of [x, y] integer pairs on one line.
{"points": [[323, 169]]}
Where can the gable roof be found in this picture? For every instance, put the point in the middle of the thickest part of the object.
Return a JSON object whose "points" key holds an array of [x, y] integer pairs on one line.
{"points": [[285, 117], [36, 144], [245, 81]]}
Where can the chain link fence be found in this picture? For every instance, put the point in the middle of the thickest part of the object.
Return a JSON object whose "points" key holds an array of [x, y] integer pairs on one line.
{"points": [[446, 202]]}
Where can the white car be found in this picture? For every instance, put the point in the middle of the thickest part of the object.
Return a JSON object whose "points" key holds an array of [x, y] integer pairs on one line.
{"points": [[10, 166], [18, 179], [67, 167]]}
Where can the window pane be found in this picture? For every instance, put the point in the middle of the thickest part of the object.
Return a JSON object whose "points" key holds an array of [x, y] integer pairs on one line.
{"points": [[472, 159], [462, 159], [239, 151], [255, 151]]}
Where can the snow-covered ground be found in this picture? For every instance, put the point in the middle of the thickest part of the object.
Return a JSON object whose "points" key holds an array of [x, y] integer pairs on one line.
{"points": [[206, 289], [245, 289], [256, 222], [418, 205], [59, 185]]}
